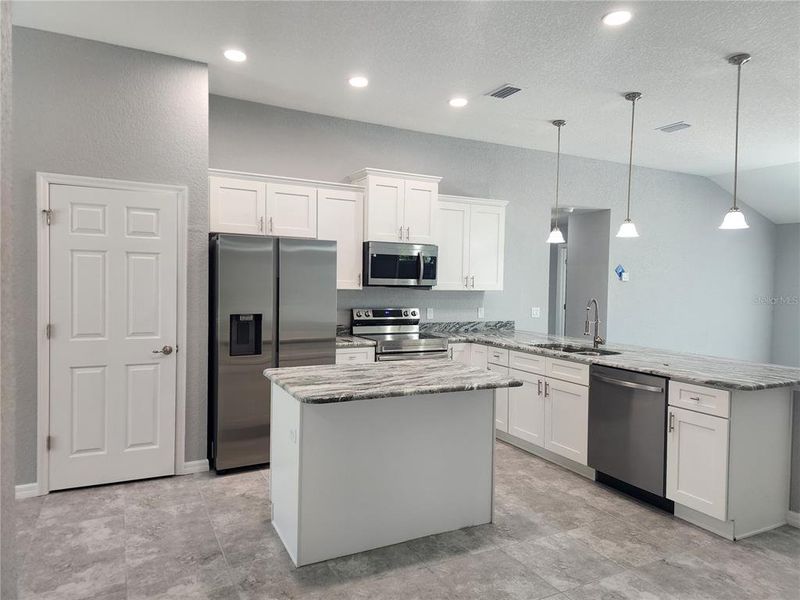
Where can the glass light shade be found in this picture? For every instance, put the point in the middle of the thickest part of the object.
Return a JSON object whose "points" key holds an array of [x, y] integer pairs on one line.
{"points": [[734, 219], [556, 237], [627, 230]]}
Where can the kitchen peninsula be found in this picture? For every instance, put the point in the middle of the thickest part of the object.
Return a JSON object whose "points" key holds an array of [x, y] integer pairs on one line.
{"points": [[368, 455]]}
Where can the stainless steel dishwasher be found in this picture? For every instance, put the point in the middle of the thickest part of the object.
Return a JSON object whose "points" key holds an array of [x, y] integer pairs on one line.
{"points": [[627, 431]]}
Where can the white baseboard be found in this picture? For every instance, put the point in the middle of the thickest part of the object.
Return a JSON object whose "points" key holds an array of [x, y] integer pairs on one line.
{"points": [[793, 518], [194, 466], [26, 490]]}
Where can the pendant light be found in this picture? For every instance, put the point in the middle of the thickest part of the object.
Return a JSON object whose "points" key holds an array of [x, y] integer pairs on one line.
{"points": [[734, 218], [556, 237], [628, 229]]}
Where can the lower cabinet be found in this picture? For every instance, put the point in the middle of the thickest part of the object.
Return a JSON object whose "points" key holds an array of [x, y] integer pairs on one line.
{"points": [[697, 461], [478, 355], [501, 396], [526, 410], [566, 418], [459, 353], [355, 355]]}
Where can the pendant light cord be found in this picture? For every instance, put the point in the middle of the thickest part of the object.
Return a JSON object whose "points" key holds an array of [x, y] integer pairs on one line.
{"points": [[630, 160], [736, 136], [558, 168]]}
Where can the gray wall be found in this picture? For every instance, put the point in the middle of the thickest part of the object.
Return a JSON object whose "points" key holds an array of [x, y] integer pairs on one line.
{"points": [[689, 280], [786, 327], [8, 576], [587, 269], [87, 108], [552, 277]]}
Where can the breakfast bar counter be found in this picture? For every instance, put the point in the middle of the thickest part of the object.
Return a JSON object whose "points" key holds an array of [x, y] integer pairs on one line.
{"points": [[365, 456]]}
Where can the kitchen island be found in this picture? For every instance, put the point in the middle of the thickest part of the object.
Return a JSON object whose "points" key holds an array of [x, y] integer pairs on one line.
{"points": [[364, 456]]}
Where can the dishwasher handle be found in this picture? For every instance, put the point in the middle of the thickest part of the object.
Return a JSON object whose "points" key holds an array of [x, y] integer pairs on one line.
{"points": [[629, 384]]}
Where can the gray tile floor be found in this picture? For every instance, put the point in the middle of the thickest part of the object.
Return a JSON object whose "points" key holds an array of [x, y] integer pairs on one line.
{"points": [[556, 535]]}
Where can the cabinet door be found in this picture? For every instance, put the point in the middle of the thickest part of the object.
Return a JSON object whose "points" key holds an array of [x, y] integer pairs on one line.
{"points": [[385, 200], [486, 247], [567, 419], [460, 353], [421, 206], [291, 210], [501, 401], [478, 355], [697, 461], [453, 241], [236, 205], [340, 218], [526, 408]]}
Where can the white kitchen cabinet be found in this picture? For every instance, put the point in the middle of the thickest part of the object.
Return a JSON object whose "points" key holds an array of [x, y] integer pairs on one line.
{"points": [[350, 356], [567, 419], [291, 210], [399, 207], [471, 238], [459, 353], [526, 408], [236, 205], [697, 461], [340, 217], [500, 400], [478, 355]]}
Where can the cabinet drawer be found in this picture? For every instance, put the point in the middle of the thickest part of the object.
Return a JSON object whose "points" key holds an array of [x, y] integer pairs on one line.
{"points": [[700, 399], [355, 355], [566, 370], [497, 356], [531, 363]]}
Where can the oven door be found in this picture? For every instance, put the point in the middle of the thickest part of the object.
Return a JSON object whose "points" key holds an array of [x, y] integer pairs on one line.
{"points": [[412, 356], [396, 264]]}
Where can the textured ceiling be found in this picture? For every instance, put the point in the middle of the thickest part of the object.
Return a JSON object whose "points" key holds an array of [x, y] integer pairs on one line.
{"points": [[570, 66]]}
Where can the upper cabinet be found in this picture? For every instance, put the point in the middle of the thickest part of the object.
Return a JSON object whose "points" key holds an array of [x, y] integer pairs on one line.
{"points": [[340, 217], [399, 207], [471, 238], [260, 206]]}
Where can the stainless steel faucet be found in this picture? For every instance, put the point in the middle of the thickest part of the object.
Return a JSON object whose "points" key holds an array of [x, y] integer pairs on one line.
{"points": [[597, 340]]}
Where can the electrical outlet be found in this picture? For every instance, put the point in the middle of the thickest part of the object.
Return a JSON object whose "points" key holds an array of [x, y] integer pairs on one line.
{"points": [[536, 312], [429, 313], [480, 312]]}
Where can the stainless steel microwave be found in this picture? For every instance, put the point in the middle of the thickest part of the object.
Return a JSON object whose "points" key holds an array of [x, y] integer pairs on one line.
{"points": [[398, 264]]}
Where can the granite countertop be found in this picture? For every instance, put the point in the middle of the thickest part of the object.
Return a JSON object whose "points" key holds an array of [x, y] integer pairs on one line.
{"points": [[352, 341], [324, 384], [712, 371]]}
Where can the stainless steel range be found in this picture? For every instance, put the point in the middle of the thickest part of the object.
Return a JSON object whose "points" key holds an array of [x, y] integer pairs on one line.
{"points": [[396, 334]]}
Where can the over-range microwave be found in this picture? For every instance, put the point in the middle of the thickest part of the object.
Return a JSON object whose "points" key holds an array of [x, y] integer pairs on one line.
{"points": [[398, 264]]}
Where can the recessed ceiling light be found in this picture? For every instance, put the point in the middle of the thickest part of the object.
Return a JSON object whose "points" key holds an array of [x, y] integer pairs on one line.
{"points": [[458, 102], [618, 17], [235, 55], [359, 81]]}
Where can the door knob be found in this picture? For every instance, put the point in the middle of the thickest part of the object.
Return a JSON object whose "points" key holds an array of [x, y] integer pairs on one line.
{"points": [[166, 350]]}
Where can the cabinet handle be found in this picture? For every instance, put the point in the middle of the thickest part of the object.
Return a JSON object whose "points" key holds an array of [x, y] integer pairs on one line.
{"points": [[359, 279], [695, 398], [261, 224], [472, 277], [270, 224], [671, 427], [466, 281], [408, 233], [451, 353], [539, 386], [400, 235], [546, 389]]}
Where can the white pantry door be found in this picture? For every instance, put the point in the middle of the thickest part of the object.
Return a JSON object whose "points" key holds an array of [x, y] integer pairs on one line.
{"points": [[113, 309]]}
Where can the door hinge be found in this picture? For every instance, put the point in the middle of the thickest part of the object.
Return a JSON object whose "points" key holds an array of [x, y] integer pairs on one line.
{"points": [[48, 330], [48, 216], [177, 348], [49, 442]]}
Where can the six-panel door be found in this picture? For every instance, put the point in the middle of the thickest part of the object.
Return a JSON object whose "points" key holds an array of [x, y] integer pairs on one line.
{"points": [[113, 309], [697, 461], [340, 218]]}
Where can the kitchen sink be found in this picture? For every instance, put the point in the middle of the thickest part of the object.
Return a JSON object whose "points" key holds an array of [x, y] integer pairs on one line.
{"points": [[597, 352], [575, 349]]}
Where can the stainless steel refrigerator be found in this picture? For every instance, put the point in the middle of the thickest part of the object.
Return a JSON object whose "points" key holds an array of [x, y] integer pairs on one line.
{"points": [[272, 304]]}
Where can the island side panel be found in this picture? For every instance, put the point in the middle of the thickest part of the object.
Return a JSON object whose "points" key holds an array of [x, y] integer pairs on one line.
{"points": [[382, 471], [285, 468]]}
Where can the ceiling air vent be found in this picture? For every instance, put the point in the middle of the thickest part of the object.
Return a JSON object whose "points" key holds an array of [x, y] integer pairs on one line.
{"points": [[504, 91], [673, 127]]}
